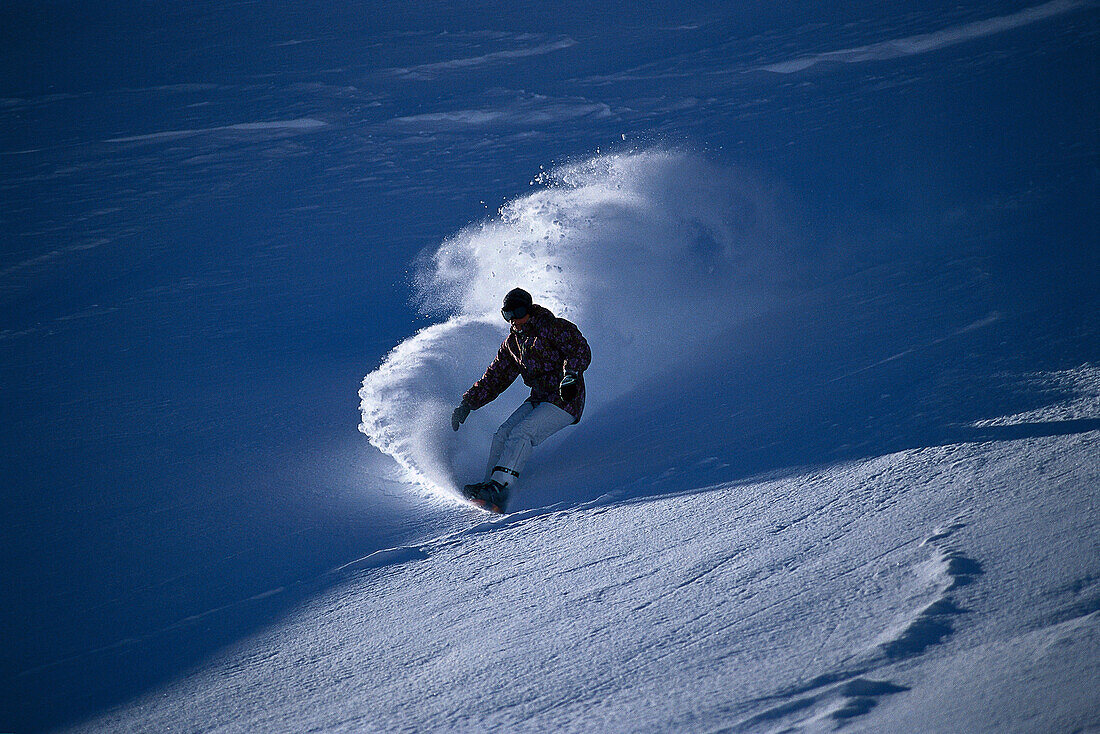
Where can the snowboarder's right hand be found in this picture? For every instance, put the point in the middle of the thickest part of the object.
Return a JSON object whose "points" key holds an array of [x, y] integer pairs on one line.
{"points": [[459, 416], [570, 387]]}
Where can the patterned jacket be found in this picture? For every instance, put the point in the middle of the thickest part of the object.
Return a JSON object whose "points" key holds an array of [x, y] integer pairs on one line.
{"points": [[542, 351]]}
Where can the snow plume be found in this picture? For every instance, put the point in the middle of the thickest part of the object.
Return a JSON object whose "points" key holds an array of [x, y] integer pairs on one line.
{"points": [[651, 254]]}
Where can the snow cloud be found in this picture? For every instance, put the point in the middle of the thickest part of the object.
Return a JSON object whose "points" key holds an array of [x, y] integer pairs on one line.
{"points": [[652, 254]]}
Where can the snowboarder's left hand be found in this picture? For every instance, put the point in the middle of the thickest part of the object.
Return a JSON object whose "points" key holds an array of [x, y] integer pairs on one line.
{"points": [[459, 416], [570, 386]]}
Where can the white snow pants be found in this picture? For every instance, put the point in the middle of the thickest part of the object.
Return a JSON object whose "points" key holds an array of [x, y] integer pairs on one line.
{"points": [[529, 426]]}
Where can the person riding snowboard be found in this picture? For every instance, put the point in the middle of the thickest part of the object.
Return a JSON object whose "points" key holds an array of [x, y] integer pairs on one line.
{"points": [[551, 354]]}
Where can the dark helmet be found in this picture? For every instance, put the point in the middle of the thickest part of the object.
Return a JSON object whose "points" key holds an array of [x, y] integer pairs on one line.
{"points": [[517, 304]]}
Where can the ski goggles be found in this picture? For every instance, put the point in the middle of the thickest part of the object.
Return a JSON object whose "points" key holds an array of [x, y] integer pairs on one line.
{"points": [[514, 314]]}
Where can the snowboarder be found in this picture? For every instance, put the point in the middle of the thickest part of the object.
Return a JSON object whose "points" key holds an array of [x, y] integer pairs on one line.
{"points": [[551, 355]]}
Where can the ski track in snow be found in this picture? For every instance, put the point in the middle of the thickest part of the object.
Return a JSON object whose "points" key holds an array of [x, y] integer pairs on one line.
{"points": [[275, 127], [692, 65], [424, 72], [928, 42]]}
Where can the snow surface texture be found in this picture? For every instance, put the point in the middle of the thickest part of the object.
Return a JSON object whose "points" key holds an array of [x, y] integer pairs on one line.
{"points": [[652, 253], [796, 603], [837, 264]]}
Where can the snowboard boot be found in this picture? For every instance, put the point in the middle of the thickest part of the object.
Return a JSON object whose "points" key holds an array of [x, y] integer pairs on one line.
{"points": [[492, 496], [497, 497]]}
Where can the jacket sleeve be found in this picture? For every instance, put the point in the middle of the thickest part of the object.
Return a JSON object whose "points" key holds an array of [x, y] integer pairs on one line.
{"points": [[574, 346], [501, 373]]}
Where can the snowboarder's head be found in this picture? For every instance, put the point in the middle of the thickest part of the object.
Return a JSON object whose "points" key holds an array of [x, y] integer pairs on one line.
{"points": [[517, 306]]}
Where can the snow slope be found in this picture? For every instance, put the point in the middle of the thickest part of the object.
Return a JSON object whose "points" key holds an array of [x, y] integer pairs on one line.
{"points": [[933, 566], [837, 265], [890, 593]]}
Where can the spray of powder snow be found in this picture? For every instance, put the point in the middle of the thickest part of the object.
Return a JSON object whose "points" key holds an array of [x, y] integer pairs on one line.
{"points": [[651, 254]]}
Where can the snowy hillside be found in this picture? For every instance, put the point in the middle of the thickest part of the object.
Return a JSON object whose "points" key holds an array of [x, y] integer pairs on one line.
{"points": [[891, 593], [838, 267], [932, 566]]}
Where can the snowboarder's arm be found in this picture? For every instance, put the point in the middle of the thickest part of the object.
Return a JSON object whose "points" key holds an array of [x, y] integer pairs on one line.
{"points": [[501, 373], [574, 346]]}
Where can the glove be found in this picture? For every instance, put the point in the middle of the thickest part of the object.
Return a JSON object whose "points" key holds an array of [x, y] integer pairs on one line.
{"points": [[459, 416], [570, 387]]}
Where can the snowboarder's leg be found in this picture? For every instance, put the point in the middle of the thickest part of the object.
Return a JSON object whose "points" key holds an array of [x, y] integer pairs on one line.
{"points": [[543, 421], [501, 436]]}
